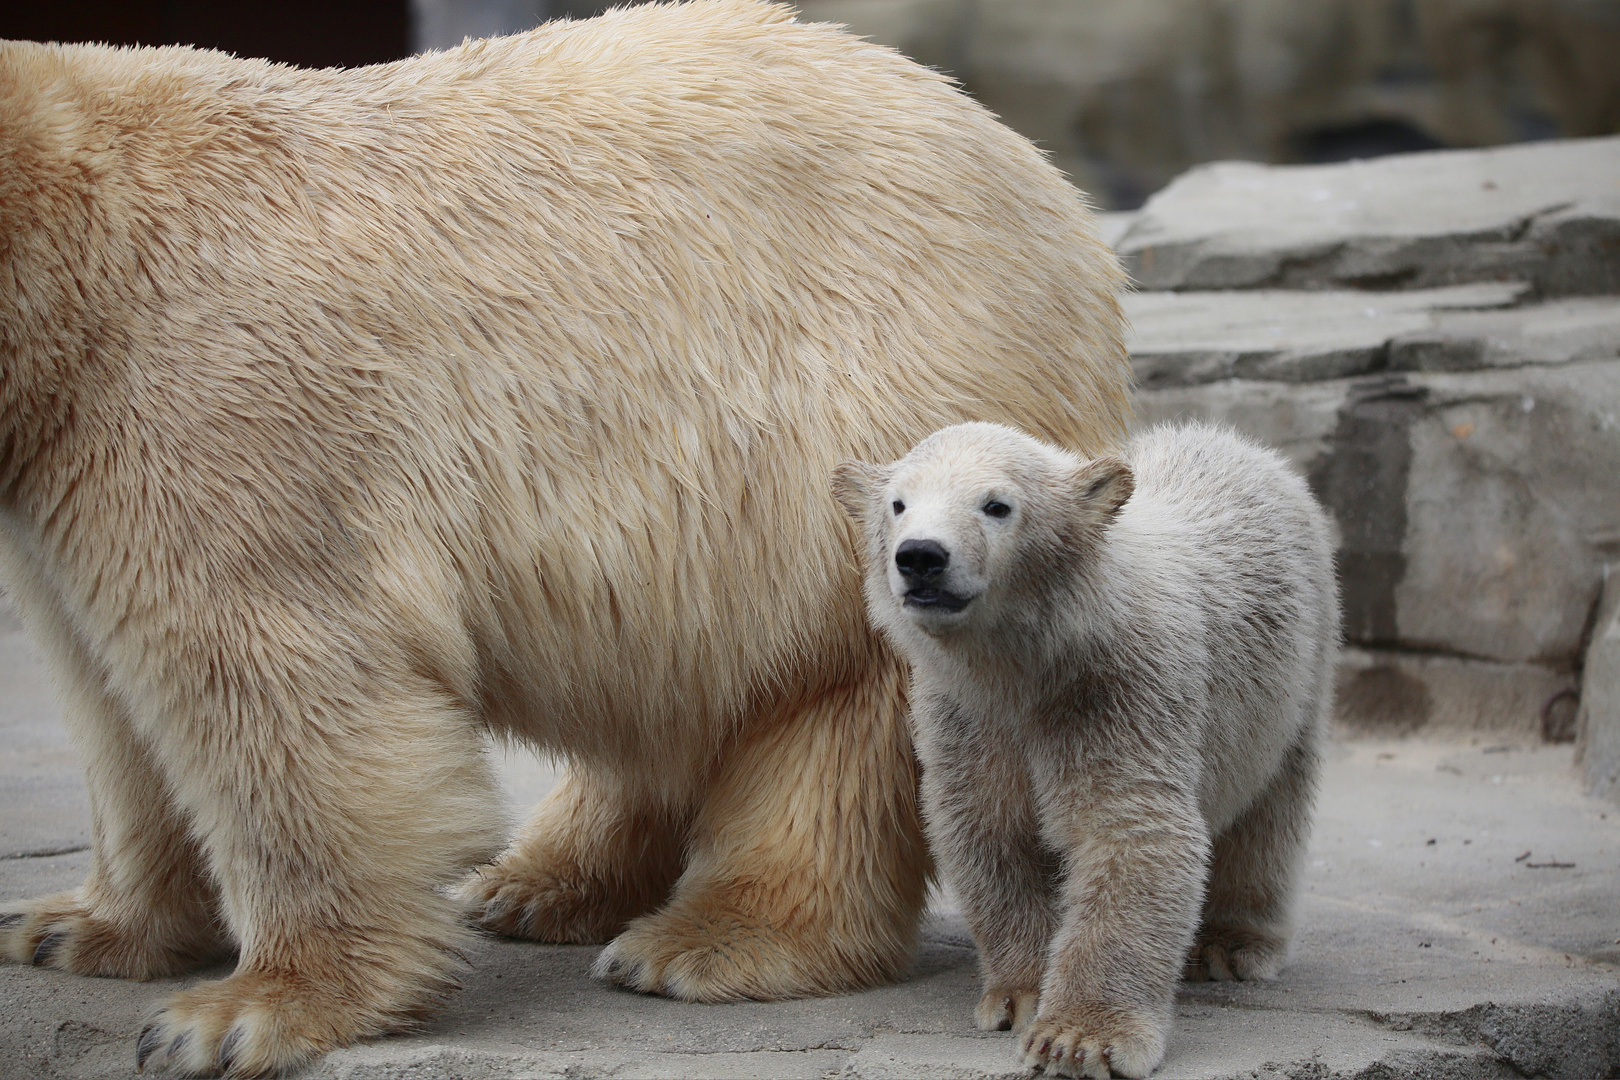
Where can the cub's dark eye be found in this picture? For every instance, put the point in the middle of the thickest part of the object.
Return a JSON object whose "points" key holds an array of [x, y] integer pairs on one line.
{"points": [[899, 508], [997, 509]]}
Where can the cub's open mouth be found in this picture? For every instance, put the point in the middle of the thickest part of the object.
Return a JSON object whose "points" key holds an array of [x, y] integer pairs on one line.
{"points": [[926, 599]]}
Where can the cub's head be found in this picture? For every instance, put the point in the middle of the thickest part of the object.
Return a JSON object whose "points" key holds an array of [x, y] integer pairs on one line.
{"points": [[976, 526]]}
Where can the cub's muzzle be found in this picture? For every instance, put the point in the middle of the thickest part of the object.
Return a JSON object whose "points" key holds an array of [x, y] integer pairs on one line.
{"points": [[921, 561], [922, 566]]}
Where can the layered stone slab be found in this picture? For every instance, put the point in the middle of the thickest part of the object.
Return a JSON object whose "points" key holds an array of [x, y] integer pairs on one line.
{"points": [[1187, 338], [1544, 213], [1466, 439]]}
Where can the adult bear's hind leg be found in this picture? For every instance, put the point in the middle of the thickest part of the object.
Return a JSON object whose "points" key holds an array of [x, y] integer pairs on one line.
{"points": [[592, 857], [807, 868]]}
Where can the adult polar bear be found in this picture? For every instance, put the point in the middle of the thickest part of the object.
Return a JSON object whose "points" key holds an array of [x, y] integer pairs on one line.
{"points": [[347, 414]]}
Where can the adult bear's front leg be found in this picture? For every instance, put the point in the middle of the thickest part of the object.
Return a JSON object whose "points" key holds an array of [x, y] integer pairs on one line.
{"points": [[148, 907], [807, 868], [335, 799]]}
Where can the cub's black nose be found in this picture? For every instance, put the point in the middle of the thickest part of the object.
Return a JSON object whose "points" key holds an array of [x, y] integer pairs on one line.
{"points": [[921, 560]]}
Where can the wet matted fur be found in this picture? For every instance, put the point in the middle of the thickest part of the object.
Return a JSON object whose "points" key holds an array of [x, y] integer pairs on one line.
{"points": [[348, 415]]}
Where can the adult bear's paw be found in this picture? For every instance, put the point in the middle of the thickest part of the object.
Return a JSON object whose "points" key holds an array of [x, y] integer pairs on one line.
{"points": [[590, 859], [718, 958], [258, 1023], [713, 947], [515, 898], [1003, 1008], [62, 932], [251, 1024]]}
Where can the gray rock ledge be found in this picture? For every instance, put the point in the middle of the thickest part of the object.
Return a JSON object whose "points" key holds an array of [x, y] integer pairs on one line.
{"points": [[1544, 213]]}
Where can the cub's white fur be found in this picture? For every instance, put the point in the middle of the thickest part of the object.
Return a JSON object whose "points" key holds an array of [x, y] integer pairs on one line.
{"points": [[1121, 673]]}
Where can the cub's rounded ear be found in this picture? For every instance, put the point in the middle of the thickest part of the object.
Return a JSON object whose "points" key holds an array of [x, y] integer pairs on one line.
{"points": [[1103, 484], [852, 485]]}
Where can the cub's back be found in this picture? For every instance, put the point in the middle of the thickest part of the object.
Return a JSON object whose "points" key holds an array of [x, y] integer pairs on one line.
{"points": [[1241, 513]]}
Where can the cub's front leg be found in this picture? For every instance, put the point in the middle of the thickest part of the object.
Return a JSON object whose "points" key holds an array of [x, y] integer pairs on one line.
{"points": [[981, 820], [1137, 852]]}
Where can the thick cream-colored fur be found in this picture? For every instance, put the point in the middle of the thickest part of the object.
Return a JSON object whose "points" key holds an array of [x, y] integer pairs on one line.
{"points": [[1121, 671], [348, 415]]}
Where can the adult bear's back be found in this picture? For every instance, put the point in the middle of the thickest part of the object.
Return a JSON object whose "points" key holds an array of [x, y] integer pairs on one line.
{"points": [[590, 312]]}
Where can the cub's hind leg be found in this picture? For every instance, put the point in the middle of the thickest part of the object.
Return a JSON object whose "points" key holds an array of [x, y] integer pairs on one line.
{"points": [[592, 857], [149, 906], [1248, 908]]}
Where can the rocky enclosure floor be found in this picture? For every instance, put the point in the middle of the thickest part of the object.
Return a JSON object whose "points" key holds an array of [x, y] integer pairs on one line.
{"points": [[1458, 919]]}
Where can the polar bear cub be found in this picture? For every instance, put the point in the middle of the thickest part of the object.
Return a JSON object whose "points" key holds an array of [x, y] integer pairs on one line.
{"points": [[1121, 671]]}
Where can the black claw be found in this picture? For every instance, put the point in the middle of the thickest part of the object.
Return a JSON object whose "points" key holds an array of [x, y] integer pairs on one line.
{"points": [[150, 1037], [227, 1049], [178, 1044], [48, 945]]}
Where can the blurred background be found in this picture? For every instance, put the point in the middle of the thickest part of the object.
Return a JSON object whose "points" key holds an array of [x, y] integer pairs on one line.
{"points": [[1125, 94]]}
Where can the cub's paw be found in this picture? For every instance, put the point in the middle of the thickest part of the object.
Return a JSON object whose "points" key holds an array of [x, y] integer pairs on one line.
{"points": [[1006, 1008], [61, 932], [1224, 955], [529, 902], [1099, 1041], [255, 1023]]}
